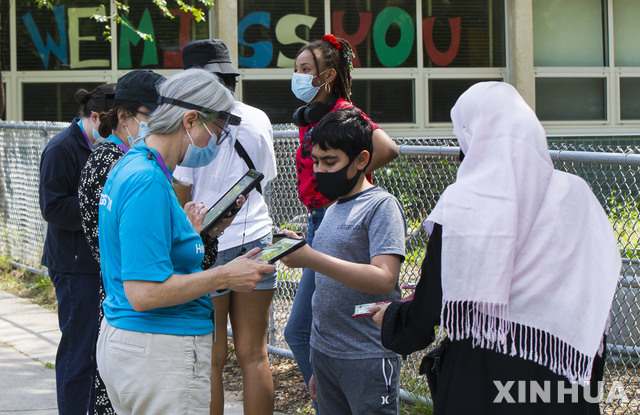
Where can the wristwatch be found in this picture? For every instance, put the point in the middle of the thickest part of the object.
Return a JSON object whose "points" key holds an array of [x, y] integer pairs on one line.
{"points": [[216, 232]]}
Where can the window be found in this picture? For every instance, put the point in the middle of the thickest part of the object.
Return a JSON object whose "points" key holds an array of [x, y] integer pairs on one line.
{"points": [[630, 98], [443, 94], [385, 101], [4, 36], [568, 33], [460, 34], [626, 34], [567, 99], [60, 105], [585, 57], [274, 97], [463, 33]]}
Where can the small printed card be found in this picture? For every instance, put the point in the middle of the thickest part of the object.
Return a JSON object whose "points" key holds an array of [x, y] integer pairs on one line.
{"points": [[363, 310]]}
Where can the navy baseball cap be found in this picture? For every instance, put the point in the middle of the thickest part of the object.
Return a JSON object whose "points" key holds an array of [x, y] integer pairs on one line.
{"points": [[139, 86]]}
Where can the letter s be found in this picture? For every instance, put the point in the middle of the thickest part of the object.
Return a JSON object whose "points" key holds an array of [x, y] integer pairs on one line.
{"points": [[262, 51], [286, 34]]}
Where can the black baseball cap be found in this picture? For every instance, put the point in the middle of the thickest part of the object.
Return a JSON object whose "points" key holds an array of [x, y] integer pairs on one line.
{"points": [[209, 54], [139, 86]]}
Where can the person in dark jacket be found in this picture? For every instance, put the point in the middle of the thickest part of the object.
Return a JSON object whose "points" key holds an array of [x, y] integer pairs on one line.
{"points": [[521, 268], [72, 268]]}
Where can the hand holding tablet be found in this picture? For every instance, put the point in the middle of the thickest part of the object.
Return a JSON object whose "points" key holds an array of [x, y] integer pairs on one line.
{"points": [[227, 203], [282, 248]]}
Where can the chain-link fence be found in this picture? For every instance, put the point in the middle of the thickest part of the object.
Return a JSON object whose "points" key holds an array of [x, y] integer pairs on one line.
{"points": [[417, 178]]}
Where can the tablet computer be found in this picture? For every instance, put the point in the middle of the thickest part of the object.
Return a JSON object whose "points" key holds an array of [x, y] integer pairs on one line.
{"points": [[276, 236], [282, 248], [227, 202]]}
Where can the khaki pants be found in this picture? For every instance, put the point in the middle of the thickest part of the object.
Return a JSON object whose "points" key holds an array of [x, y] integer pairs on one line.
{"points": [[148, 373]]}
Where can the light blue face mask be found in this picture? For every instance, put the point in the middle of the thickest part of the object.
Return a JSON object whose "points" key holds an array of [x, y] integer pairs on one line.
{"points": [[201, 156], [96, 136], [143, 131], [302, 86]]}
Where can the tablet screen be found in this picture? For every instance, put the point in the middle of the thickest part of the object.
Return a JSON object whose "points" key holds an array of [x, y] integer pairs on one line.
{"points": [[227, 200], [283, 245]]}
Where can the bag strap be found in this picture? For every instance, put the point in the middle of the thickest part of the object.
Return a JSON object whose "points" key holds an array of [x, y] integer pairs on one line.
{"points": [[245, 156]]}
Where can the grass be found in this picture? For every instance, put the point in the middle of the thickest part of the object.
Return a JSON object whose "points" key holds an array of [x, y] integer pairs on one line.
{"points": [[416, 405], [34, 287]]}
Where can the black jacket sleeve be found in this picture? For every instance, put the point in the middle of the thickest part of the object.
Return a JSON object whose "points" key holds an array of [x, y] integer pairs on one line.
{"points": [[59, 188], [408, 327]]}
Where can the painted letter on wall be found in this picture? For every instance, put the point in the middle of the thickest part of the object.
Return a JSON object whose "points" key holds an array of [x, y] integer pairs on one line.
{"points": [[262, 51], [75, 14], [173, 59], [441, 58], [392, 56], [286, 35], [59, 50], [128, 36], [356, 38]]}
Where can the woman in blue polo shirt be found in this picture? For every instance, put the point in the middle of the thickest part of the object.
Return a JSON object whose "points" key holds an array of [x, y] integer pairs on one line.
{"points": [[154, 349]]}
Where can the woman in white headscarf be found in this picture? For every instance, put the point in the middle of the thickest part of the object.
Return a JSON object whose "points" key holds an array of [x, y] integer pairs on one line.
{"points": [[520, 272]]}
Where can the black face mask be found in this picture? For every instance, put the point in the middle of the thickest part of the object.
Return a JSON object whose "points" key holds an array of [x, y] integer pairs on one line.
{"points": [[335, 184]]}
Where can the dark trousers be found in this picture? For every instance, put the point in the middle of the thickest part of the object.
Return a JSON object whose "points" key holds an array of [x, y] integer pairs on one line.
{"points": [[78, 303]]}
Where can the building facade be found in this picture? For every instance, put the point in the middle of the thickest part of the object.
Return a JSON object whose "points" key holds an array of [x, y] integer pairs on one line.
{"points": [[576, 62]]}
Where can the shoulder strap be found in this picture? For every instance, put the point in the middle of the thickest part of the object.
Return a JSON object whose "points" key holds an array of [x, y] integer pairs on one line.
{"points": [[245, 156]]}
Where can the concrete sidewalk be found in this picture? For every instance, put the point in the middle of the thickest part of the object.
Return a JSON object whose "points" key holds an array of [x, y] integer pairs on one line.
{"points": [[29, 337]]}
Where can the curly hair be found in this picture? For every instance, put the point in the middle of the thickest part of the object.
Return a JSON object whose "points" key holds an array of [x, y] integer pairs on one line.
{"points": [[109, 119], [338, 59]]}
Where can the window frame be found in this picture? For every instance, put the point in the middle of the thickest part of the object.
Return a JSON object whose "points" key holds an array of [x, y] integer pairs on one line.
{"points": [[611, 75]]}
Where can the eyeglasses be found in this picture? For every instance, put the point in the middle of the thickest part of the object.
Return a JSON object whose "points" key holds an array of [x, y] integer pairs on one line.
{"points": [[224, 133], [148, 114], [305, 146]]}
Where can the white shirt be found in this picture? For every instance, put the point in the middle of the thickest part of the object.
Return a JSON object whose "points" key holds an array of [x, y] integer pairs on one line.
{"points": [[210, 182]]}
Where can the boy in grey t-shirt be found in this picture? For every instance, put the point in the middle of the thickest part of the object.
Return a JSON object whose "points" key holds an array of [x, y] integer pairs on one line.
{"points": [[357, 253]]}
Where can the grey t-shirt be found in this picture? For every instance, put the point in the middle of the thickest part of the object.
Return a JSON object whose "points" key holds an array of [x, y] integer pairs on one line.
{"points": [[356, 229]]}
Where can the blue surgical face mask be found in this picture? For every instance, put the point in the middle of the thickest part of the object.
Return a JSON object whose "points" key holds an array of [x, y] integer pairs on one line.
{"points": [[98, 137], [302, 86], [143, 131], [201, 156]]}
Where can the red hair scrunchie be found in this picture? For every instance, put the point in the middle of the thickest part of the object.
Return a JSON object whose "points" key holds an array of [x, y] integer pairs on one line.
{"points": [[332, 39]]}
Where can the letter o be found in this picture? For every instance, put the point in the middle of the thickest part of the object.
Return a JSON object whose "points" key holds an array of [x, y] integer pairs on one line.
{"points": [[393, 55]]}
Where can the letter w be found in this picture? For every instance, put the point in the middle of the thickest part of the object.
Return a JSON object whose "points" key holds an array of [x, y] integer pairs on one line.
{"points": [[59, 50]]}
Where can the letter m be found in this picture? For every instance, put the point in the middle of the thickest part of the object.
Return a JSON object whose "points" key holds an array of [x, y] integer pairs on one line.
{"points": [[129, 36], [59, 50]]}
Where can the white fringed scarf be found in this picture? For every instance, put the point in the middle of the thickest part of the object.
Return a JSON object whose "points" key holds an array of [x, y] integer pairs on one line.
{"points": [[527, 251]]}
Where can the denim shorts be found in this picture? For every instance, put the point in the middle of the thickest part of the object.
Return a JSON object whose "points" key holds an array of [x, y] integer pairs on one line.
{"points": [[267, 283]]}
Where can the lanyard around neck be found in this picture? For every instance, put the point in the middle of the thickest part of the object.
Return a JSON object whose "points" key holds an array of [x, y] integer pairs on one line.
{"points": [[86, 137], [155, 155]]}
